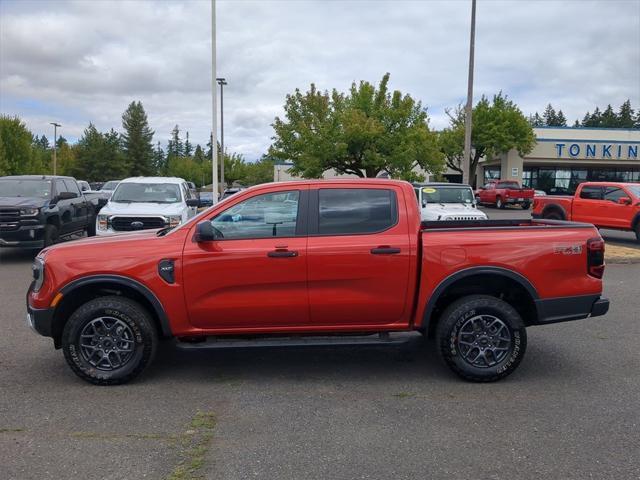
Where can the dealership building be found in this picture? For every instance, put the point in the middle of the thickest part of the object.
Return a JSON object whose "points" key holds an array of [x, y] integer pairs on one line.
{"points": [[564, 157], [561, 158]]}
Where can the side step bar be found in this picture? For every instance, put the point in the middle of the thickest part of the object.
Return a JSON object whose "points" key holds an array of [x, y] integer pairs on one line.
{"points": [[376, 339]]}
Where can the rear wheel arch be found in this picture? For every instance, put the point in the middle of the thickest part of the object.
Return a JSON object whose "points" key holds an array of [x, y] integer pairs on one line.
{"points": [[554, 209], [635, 223], [498, 282], [83, 290]]}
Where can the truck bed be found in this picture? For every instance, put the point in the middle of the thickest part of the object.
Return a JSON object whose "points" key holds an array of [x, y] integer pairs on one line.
{"points": [[499, 224]]}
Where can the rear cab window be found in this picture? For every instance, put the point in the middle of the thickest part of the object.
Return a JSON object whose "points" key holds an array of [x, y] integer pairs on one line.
{"points": [[353, 211], [591, 193]]}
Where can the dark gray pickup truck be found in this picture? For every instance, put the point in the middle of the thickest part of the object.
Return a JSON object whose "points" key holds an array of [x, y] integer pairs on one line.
{"points": [[39, 210]]}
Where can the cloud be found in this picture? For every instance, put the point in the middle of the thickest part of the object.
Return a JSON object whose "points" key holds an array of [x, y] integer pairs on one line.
{"points": [[80, 61]]}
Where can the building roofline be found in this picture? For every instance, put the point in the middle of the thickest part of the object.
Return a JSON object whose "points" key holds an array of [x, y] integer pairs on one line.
{"points": [[592, 128]]}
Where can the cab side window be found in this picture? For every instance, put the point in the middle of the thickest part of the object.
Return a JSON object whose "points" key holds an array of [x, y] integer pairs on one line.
{"points": [[60, 186], [72, 187], [591, 193], [262, 216], [613, 194]]}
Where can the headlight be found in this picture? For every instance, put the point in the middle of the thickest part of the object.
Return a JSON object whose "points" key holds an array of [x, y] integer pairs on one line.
{"points": [[103, 222], [174, 220], [38, 273], [29, 212]]}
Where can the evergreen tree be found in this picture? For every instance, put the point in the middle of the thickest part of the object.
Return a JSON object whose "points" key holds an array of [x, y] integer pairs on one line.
{"points": [[115, 162], [596, 118], [561, 121], [625, 115], [198, 155], [549, 116], [576, 123], [175, 147], [159, 160], [137, 140], [586, 119], [188, 148], [209, 147], [536, 120], [609, 118], [89, 154]]}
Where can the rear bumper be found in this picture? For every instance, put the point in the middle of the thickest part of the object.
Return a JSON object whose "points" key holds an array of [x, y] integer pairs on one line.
{"points": [[554, 310]]}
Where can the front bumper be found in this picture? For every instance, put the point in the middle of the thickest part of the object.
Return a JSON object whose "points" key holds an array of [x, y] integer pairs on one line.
{"points": [[26, 236], [564, 309], [40, 320]]}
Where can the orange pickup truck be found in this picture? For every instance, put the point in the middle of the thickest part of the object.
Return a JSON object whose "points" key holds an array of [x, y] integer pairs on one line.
{"points": [[605, 204]]}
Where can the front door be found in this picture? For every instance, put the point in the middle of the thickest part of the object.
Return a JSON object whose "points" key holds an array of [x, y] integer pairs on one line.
{"points": [[359, 256], [255, 275], [618, 215], [589, 205]]}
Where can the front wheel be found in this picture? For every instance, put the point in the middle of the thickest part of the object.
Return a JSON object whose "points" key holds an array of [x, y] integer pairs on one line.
{"points": [[499, 203], [50, 235], [481, 338], [526, 205], [109, 340]]}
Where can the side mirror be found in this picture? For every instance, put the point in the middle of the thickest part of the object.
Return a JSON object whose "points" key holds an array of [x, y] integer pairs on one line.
{"points": [[193, 202], [624, 201], [205, 232], [67, 195]]}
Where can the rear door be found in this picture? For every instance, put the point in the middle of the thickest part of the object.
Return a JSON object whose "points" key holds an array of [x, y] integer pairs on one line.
{"points": [[79, 206], [255, 276], [588, 206], [358, 256]]}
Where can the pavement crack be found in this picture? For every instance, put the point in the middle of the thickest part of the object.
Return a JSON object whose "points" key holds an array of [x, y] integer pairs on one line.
{"points": [[193, 444]]}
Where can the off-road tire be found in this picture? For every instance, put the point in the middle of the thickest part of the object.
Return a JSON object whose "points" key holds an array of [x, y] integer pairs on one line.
{"points": [[131, 315], [638, 232], [51, 235], [458, 315], [526, 205]]}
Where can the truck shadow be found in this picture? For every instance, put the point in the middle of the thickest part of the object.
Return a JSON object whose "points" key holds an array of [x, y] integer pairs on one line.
{"points": [[16, 255]]}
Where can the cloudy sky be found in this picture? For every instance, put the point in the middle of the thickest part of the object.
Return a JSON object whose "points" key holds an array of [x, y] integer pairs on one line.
{"points": [[83, 61]]}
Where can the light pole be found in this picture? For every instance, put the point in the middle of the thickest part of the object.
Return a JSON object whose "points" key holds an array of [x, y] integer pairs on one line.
{"points": [[222, 82], [466, 160], [214, 109], [55, 146]]}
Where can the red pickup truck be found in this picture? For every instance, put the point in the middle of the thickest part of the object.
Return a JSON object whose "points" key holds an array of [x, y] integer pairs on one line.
{"points": [[315, 263], [505, 192], [605, 204]]}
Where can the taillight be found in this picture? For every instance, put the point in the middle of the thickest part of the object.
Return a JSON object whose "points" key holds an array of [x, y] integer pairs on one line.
{"points": [[595, 257]]}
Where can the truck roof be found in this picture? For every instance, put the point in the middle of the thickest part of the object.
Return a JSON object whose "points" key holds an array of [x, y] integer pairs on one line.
{"points": [[35, 177], [174, 180]]}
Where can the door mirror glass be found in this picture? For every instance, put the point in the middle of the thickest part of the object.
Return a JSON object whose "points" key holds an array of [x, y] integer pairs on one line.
{"points": [[205, 232], [193, 202], [67, 195], [624, 201]]}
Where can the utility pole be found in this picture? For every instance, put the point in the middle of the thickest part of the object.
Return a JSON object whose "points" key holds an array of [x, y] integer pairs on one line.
{"points": [[222, 82], [466, 160], [55, 146], [214, 109]]}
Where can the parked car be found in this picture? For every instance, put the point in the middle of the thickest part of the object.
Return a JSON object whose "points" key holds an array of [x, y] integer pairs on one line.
{"points": [[193, 189], [109, 187], [500, 193], [84, 186], [231, 191], [206, 199], [39, 210], [605, 204], [447, 201], [95, 186], [316, 263], [141, 203]]}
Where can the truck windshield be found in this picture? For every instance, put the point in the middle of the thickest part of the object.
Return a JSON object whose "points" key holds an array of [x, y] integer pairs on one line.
{"points": [[447, 195], [146, 193], [25, 188]]}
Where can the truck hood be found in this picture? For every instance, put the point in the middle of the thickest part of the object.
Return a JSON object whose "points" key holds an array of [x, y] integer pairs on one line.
{"points": [[35, 202], [142, 209], [99, 242], [435, 210]]}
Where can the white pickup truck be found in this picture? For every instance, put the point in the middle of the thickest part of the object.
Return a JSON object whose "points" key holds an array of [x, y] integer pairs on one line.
{"points": [[143, 203], [447, 201]]}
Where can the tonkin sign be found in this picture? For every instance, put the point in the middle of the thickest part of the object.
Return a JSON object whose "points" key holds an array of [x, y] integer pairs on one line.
{"points": [[624, 151]]}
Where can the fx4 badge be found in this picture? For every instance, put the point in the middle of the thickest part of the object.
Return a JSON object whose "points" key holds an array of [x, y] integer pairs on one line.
{"points": [[567, 249]]}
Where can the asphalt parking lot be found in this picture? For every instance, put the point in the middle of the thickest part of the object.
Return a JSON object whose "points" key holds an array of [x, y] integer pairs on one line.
{"points": [[570, 411]]}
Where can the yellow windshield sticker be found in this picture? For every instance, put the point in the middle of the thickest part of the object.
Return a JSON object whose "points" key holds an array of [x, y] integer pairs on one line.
{"points": [[429, 190]]}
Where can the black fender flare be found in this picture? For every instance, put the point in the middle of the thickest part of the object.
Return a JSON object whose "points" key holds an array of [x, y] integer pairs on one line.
{"points": [[126, 282], [467, 272], [555, 206]]}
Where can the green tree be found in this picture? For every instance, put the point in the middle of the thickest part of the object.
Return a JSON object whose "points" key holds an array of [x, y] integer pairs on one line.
{"points": [[175, 147], [16, 145], [159, 160], [198, 155], [137, 140], [549, 116], [498, 126], [188, 147], [364, 133], [259, 172], [536, 120], [234, 169], [451, 139], [561, 121], [625, 115], [609, 119]]}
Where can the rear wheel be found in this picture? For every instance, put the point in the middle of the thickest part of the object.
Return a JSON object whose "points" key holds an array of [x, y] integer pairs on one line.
{"points": [[638, 232], [109, 340], [481, 338], [526, 205], [499, 203], [552, 215]]}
